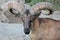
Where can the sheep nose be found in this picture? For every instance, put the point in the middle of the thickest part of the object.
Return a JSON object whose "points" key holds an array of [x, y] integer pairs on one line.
{"points": [[26, 31]]}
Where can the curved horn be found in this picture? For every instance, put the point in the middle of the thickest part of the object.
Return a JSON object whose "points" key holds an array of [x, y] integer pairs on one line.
{"points": [[17, 6], [41, 6]]}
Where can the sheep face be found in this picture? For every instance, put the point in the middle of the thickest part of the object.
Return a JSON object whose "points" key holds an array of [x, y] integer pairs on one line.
{"points": [[26, 18]]}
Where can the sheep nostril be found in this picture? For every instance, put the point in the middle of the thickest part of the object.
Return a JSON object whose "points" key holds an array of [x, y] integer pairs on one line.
{"points": [[26, 31]]}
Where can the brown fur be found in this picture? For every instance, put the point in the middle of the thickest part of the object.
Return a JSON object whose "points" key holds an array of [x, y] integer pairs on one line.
{"points": [[45, 29]]}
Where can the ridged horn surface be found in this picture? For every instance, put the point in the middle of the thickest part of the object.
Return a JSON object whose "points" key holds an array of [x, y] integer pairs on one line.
{"points": [[17, 6], [41, 6]]}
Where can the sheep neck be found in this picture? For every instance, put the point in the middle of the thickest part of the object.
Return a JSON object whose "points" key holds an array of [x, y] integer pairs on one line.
{"points": [[36, 24]]}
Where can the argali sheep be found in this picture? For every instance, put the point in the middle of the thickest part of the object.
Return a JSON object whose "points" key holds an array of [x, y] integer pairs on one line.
{"points": [[41, 28]]}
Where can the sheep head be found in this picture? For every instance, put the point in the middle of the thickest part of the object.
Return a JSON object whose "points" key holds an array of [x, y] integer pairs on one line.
{"points": [[33, 13]]}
